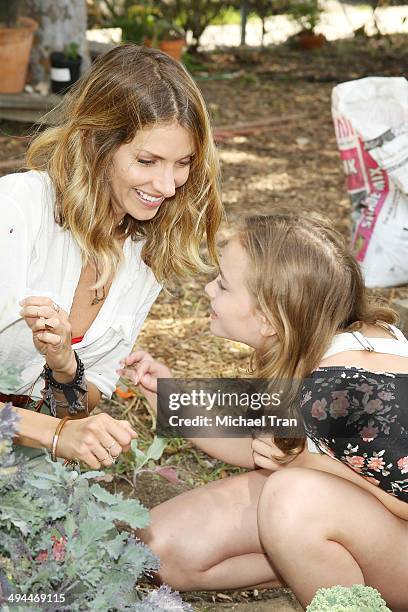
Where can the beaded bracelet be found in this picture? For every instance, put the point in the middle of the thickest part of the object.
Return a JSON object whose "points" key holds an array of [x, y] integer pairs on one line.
{"points": [[56, 437], [73, 391]]}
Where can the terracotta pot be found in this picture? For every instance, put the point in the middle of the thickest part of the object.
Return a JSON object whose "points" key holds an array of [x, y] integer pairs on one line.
{"points": [[174, 48], [308, 40], [15, 47]]}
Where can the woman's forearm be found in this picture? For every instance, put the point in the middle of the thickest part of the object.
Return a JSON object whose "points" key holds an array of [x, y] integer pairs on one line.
{"points": [[92, 399], [35, 430], [66, 376], [94, 396]]}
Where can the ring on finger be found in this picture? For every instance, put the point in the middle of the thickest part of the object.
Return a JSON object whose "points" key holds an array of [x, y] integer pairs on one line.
{"points": [[44, 324], [110, 446], [105, 458], [113, 457]]}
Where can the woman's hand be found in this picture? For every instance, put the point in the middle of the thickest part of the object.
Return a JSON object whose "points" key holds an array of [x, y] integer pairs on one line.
{"points": [[96, 440], [262, 451], [143, 370], [51, 333]]}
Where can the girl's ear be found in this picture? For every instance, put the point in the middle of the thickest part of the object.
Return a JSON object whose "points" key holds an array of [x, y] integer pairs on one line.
{"points": [[265, 328]]}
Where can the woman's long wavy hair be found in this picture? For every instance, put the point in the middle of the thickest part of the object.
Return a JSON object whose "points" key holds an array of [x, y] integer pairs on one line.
{"points": [[309, 287], [128, 89]]}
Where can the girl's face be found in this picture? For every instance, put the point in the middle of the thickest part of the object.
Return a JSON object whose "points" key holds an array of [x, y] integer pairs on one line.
{"points": [[233, 310], [149, 169]]}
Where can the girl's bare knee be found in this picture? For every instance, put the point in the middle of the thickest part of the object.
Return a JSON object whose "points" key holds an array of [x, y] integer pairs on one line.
{"points": [[174, 555], [286, 504], [286, 492]]}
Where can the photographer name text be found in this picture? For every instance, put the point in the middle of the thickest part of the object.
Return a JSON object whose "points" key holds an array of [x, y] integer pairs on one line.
{"points": [[266, 420]]}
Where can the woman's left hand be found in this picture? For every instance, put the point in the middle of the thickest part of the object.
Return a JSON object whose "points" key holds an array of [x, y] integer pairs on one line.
{"points": [[51, 332]]}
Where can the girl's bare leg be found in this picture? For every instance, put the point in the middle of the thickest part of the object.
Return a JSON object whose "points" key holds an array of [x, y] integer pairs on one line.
{"points": [[208, 538], [322, 530]]}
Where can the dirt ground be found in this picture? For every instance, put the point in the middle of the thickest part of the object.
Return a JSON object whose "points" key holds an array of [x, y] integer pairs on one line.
{"points": [[289, 158]]}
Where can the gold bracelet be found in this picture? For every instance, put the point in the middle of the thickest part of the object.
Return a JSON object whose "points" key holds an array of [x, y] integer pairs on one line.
{"points": [[56, 437]]}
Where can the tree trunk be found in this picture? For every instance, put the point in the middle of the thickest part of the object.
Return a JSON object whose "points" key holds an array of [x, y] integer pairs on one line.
{"points": [[244, 17], [60, 22]]}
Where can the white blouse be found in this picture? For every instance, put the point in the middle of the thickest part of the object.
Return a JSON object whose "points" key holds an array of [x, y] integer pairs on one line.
{"points": [[38, 257]]}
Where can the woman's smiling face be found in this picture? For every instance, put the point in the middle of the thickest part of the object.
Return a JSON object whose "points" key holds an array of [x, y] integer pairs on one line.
{"points": [[149, 169], [233, 310]]}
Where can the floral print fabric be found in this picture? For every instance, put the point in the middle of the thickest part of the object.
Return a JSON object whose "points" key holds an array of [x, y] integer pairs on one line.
{"points": [[361, 418]]}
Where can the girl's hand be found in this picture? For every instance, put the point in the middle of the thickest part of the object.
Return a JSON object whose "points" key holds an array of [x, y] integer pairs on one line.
{"points": [[143, 370], [51, 333], [262, 451], [96, 440]]}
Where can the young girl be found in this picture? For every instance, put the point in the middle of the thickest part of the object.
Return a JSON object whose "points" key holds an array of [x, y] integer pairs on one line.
{"points": [[289, 288], [118, 199]]}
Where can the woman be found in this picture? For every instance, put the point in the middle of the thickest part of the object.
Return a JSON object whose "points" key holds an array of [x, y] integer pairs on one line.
{"points": [[117, 200], [289, 288]]}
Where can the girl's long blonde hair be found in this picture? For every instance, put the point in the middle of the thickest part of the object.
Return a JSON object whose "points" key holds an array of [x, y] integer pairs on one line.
{"points": [[309, 287], [127, 89]]}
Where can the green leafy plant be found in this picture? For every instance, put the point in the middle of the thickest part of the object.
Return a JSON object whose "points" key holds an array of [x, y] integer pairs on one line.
{"points": [[184, 15], [139, 22], [63, 534], [194, 15], [144, 461], [357, 598], [166, 30], [9, 468], [71, 51], [306, 13], [136, 20]]}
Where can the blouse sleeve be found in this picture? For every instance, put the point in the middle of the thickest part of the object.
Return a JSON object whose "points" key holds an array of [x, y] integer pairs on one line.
{"points": [[19, 225]]}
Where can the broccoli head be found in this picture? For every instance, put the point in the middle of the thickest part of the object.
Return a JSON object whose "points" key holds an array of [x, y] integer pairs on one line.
{"points": [[357, 598]]}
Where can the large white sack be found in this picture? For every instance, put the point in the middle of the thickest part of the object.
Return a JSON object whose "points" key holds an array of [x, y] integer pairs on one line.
{"points": [[371, 124]]}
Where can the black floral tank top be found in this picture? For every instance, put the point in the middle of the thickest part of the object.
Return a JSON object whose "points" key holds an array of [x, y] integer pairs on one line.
{"points": [[361, 418]]}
